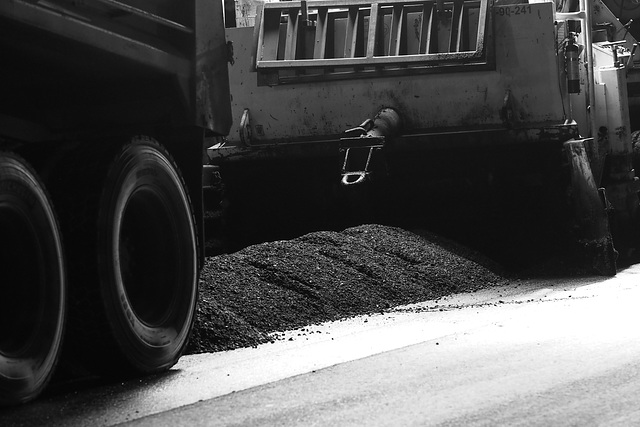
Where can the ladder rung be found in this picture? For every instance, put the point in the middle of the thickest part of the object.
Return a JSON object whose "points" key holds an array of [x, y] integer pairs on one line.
{"points": [[455, 43], [396, 32], [429, 28], [374, 28], [350, 35], [291, 42], [320, 46], [270, 35]]}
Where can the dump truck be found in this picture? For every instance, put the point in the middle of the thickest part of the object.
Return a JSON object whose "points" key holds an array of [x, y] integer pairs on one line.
{"points": [[506, 125], [104, 109]]}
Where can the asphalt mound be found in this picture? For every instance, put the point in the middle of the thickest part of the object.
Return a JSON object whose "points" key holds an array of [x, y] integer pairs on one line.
{"points": [[247, 296]]}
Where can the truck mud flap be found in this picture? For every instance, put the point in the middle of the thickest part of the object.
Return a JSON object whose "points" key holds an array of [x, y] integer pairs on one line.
{"points": [[590, 204]]}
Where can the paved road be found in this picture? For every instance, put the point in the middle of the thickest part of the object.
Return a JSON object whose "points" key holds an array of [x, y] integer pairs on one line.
{"points": [[541, 353]]}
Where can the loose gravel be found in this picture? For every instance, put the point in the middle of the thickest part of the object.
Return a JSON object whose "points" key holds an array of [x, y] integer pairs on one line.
{"points": [[248, 296]]}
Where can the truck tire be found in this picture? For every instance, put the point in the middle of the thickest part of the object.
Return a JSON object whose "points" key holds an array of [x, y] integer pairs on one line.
{"points": [[33, 301], [147, 258]]}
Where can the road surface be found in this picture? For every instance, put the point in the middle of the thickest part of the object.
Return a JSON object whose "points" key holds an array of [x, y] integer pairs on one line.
{"points": [[556, 352]]}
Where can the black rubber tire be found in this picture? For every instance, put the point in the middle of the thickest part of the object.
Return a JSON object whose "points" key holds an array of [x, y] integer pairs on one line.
{"points": [[33, 301], [147, 257]]}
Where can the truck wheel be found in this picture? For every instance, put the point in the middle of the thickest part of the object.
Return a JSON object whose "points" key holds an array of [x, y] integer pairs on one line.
{"points": [[147, 257], [33, 301]]}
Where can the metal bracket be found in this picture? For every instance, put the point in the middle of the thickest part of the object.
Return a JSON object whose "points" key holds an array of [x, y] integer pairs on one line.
{"points": [[245, 128], [355, 177]]}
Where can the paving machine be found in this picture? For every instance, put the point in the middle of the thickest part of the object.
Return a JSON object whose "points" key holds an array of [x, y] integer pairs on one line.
{"points": [[502, 124]]}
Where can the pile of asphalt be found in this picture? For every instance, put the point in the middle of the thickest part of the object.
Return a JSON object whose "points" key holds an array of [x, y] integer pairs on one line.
{"points": [[248, 296]]}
